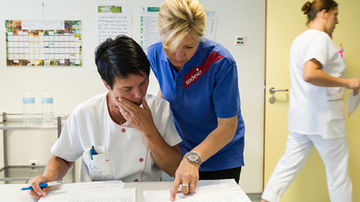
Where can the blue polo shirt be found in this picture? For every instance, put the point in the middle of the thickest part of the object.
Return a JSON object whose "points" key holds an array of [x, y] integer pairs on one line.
{"points": [[206, 88]]}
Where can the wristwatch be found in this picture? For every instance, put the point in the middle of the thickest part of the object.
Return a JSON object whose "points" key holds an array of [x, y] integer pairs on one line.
{"points": [[193, 157]]}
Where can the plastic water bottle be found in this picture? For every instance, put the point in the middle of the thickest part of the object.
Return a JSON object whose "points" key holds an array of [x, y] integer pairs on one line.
{"points": [[28, 107], [47, 102]]}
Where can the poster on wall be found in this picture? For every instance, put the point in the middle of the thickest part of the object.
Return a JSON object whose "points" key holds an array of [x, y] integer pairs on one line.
{"points": [[148, 32], [113, 20], [43, 43], [210, 25]]}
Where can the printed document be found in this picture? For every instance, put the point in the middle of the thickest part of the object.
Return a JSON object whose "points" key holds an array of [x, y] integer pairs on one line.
{"points": [[112, 191], [206, 191]]}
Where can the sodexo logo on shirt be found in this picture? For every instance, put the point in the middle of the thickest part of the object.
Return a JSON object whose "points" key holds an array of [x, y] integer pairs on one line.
{"points": [[194, 74], [193, 77]]}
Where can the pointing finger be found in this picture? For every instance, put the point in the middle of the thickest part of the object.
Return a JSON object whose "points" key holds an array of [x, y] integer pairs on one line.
{"points": [[174, 189]]}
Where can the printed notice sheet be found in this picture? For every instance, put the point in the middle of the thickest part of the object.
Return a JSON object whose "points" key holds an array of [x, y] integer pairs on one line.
{"points": [[148, 22], [206, 191], [105, 191], [43, 43], [210, 25], [92, 192], [113, 20]]}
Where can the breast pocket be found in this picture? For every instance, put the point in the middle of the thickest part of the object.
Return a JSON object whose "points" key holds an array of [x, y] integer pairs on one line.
{"points": [[98, 165]]}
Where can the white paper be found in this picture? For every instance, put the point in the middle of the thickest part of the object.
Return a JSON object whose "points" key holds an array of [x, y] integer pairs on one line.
{"points": [[210, 25], [113, 20], [92, 192], [206, 191], [42, 24], [148, 22], [13, 192], [353, 103]]}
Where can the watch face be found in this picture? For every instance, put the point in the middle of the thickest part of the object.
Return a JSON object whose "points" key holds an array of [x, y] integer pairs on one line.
{"points": [[193, 157]]}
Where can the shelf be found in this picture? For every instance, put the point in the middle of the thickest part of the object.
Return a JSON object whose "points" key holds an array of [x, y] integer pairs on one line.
{"points": [[21, 174], [14, 121], [20, 126]]}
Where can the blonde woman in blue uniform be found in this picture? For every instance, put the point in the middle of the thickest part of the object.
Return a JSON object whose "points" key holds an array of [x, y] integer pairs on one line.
{"points": [[199, 78]]}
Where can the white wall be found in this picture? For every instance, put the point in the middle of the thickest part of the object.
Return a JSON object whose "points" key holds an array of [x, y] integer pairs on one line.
{"points": [[70, 86]]}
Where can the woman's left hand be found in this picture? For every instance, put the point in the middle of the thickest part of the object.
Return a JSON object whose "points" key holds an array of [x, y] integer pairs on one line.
{"points": [[139, 117], [186, 176]]}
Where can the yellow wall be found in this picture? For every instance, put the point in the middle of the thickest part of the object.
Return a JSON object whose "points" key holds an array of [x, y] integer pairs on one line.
{"points": [[284, 22], [347, 33]]}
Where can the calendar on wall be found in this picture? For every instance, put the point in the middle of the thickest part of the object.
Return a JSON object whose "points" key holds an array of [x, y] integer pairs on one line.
{"points": [[43, 43]]}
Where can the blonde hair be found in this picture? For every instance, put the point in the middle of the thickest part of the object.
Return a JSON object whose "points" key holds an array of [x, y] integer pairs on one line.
{"points": [[313, 8], [181, 17]]}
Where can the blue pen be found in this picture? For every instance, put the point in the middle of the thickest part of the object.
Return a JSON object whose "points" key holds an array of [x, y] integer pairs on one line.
{"points": [[43, 185], [93, 151]]}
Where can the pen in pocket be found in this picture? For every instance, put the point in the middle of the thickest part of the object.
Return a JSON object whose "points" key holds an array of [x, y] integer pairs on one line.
{"points": [[91, 157], [341, 51], [92, 152]]}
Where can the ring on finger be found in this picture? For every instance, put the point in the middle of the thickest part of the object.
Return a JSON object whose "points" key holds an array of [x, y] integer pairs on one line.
{"points": [[192, 185], [184, 185]]}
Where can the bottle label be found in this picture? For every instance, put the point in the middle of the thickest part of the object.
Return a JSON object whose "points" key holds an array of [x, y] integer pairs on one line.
{"points": [[29, 100], [48, 100]]}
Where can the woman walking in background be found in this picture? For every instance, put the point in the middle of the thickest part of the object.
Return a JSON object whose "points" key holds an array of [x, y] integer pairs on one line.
{"points": [[316, 114]]}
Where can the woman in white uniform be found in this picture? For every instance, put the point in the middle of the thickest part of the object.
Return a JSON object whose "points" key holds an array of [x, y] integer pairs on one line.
{"points": [[316, 115], [121, 134]]}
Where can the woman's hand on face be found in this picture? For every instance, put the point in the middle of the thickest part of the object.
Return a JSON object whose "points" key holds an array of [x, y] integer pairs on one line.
{"points": [[37, 192], [139, 117], [186, 176]]}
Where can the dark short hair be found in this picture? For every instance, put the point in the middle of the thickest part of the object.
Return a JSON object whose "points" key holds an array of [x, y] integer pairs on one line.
{"points": [[120, 57]]}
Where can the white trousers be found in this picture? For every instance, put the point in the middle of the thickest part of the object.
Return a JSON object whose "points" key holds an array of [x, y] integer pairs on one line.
{"points": [[335, 155]]}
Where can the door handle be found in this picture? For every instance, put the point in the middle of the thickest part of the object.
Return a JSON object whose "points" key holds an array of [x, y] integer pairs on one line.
{"points": [[272, 90]]}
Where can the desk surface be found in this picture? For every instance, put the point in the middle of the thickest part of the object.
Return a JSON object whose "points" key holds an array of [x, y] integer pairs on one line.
{"points": [[12, 192]]}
